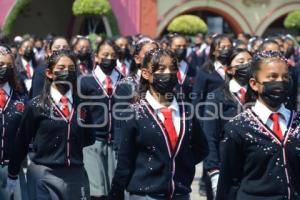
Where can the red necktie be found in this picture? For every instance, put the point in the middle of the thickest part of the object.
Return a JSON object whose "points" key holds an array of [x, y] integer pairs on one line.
{"points": [[242, 92], [108, 84], [83, 69], [2, 98], [28, 71], [65, 108], [123, 69], [276, 126], [169, 125], [179, 76]]}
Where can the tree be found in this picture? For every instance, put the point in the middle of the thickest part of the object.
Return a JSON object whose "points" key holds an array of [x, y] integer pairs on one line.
{"points": [[13, 14], [187, 25], [292, 20], [94, 10]]}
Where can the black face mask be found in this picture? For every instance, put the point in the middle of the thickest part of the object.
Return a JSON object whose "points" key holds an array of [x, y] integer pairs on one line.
{"points": [[224, 55], [289, 52], [107, 65], [68, 76], [242, 73], [164, 83], [84, 55], [138, 65], [180, 53], [28, 54], [123, 52], [275, 92], [5, 72]]}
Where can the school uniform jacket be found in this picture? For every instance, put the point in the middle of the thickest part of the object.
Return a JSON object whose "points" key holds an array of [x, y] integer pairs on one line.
{"points": [[57, 141], [146, 164], [205, 83], [218, 112], [127, 89], [256, 164], [100, 105], [10, 118], [184, 88], [22, 73]]}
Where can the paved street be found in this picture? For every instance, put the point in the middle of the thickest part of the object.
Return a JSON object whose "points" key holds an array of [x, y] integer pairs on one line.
{"points": [[195, 186]]}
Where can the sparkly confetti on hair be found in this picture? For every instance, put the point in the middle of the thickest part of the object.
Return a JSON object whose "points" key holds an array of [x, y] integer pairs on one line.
{"points": [[4, 50]]}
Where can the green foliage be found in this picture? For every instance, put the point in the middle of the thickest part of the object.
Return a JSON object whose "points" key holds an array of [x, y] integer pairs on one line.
{"points": [[91, 7], [187, 25], [113, 23], [292, 20], [93, 38], [13, 14]]}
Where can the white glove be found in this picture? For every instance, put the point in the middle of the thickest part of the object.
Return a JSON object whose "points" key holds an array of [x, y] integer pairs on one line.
{"points": [[11, 185], [214, 184]]}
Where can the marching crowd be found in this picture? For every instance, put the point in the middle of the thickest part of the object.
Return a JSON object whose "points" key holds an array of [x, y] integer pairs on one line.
{"points": [[131, 118]]}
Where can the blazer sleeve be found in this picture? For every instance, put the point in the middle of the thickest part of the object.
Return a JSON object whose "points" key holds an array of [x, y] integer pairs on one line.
{"points": [[199, 142], [126, 156], [231, 164], [199, 92], [211, 127], [24, 136]]}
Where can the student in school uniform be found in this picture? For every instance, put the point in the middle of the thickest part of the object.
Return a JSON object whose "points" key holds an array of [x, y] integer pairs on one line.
{"points": [[124, 58], [186, 73], [55, 122], [210, 77], [57, 43], [161, 143], [212, 74], [83, 49], [260, 158], [128, 86], [228, 101], [12, 104], [291, 100], [98, 91], [25, 64]]}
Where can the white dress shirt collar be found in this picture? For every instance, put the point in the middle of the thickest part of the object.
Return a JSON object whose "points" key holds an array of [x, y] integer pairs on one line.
{"points": [[264, 113], [157, 106], [56, 95], [6, 87], [102, 76], [234, 86]]}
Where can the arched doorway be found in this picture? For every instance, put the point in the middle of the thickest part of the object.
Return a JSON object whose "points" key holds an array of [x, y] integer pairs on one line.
{"points": [[41, 17], [218, 21], [277, 27]]}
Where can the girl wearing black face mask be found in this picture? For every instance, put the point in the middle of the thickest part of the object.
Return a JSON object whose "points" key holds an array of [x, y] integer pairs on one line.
{"points": [[54, 121], [82, 47], [212, 74], [260, 158], [26, 64], [160, 143], [210, 77], [12, 104], [99, 91], [124, 58], [226, 103], [186, 72]]}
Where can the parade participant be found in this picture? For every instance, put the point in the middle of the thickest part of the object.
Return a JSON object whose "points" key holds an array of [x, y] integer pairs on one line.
{"points": [[53, 121], [227, 102], [161, 143], [260, 158]]}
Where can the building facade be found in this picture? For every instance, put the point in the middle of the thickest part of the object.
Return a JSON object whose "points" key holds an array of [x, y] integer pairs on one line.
{"points": [[149, 17]]}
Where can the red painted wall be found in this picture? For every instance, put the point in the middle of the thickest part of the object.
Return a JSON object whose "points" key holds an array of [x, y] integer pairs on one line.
{"points": [[5, 6]]}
